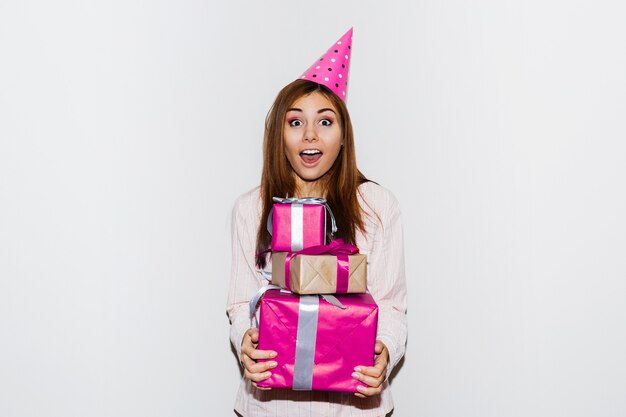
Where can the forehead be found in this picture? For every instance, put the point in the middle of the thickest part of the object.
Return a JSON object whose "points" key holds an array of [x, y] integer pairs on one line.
{"points": [[313, 101]]}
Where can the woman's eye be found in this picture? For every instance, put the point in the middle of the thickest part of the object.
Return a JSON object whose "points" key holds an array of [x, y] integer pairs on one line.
{"points": [[295, 123], [326, 122]]}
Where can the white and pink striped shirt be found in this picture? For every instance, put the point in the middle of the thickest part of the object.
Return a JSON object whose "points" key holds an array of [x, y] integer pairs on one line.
{"points": [[383, 244]]}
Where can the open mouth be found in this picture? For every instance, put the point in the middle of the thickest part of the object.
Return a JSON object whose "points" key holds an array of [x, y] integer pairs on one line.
{"points": [[310, 156]]}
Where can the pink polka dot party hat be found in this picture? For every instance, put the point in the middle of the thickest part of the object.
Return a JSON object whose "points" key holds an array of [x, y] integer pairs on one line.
{"points": [[332, 68]]}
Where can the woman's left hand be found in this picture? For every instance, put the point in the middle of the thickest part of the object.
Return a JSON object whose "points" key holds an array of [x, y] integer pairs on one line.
{"points": [[372, 376]]}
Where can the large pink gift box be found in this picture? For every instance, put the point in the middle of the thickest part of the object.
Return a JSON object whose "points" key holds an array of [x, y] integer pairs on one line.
{"points": [[318, 343]]}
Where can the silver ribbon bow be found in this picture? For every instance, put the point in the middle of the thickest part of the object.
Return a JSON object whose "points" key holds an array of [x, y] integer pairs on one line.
{"points": [[255, 300]]}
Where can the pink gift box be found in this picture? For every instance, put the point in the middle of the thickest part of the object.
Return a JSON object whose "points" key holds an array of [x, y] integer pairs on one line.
{"points": [[318, 354], [297, 226]]}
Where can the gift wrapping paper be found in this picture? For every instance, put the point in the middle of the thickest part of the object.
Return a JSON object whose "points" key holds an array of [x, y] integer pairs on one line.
{"points": [[318, 274], [297, 226], [318, 343]]}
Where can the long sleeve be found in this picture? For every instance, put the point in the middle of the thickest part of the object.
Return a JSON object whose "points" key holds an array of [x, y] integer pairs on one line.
{"points": [[386, 276], [245, 280]]}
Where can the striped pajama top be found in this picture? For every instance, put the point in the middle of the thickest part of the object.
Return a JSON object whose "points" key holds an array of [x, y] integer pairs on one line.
{"points": [[383, 245]]}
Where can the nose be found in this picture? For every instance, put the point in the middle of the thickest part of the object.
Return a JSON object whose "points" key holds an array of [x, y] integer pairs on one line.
{"points": [[310, 133]]}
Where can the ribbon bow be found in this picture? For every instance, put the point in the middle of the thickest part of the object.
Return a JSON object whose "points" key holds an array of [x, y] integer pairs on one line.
{"points": [[253, 303], [305, 200]]}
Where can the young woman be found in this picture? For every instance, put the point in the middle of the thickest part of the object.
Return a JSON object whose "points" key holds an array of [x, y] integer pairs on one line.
{"points": [[309, 152]]}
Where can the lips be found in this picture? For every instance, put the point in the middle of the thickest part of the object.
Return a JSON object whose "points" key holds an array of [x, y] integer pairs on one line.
{"points": [[311, 156]]}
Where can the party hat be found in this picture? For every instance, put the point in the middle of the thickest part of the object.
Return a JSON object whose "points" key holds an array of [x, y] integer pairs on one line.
{"points": [[332, 68]]}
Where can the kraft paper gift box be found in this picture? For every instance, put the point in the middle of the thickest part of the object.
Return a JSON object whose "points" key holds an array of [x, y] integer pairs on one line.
{"points": [[318, 343], [296, 224], [320, 274]]}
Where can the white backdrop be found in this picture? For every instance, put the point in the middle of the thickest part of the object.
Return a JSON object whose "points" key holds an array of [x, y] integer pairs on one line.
{"points": [[128, 128]]}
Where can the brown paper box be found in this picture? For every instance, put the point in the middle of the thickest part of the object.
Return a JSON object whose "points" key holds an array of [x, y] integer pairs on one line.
{"points": [[317, 274]]}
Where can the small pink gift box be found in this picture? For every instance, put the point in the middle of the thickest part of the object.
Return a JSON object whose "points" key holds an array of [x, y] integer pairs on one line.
{"points": [[298, 223], [318, 343]]}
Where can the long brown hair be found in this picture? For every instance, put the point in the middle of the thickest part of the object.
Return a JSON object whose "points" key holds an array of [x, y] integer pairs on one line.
{"points": [[340, 184]]}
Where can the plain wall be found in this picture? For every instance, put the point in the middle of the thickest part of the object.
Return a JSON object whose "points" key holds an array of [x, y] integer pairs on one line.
{"points": [[128, 128]]}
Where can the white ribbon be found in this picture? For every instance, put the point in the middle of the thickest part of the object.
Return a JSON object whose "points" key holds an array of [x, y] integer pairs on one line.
{"points": [[297, 227], [306, 339]]}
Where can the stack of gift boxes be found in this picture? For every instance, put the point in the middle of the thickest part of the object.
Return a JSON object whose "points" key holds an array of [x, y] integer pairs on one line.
{"points": [[322, 322]]}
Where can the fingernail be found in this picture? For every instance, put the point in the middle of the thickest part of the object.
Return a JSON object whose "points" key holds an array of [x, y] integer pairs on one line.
{"points": [[267, 375], [358, 369], [355, 375], [272, 364], [360, 388]]}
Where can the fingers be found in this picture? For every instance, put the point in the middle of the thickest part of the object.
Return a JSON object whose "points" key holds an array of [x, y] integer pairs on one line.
{"points": [[257, 371], [372, 376], [257, 354], [255, 367], [365, 391], [372, 385], [253, 370], [248, 346], [253, 334], [382, 356]]}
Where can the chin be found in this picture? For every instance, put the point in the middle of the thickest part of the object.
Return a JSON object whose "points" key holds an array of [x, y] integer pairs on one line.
{"points": [[310, 177]]}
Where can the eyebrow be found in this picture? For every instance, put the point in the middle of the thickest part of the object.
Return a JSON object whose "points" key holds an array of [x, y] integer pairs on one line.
{"points": [[325, 109], [319, 111]]}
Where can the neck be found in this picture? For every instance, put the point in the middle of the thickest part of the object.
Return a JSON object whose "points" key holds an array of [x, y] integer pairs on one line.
{"points": [[308, 188]]}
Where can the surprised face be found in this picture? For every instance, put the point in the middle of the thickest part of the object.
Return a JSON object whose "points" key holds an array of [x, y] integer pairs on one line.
{"points": [[312, 136]]}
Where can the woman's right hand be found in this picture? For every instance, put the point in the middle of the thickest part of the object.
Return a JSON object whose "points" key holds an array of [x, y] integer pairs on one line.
{"points": [[253, 370]]}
